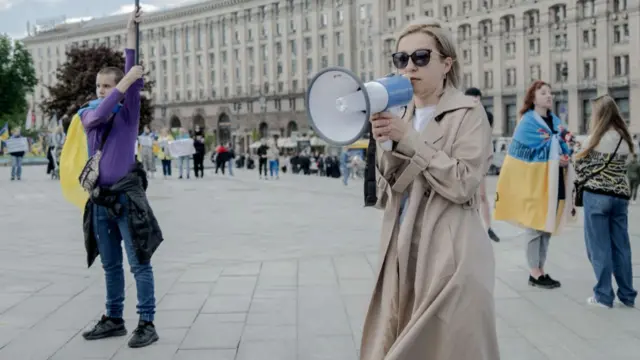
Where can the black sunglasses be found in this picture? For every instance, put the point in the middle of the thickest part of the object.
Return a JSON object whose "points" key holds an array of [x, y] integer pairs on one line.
{"points": [[420, 58]]}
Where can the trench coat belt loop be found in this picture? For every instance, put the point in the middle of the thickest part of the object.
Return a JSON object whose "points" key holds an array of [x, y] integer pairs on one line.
{"points": [[416, 165]]}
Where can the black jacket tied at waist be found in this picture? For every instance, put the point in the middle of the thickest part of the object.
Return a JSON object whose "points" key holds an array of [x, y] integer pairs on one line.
{"points": [[145, 231]]}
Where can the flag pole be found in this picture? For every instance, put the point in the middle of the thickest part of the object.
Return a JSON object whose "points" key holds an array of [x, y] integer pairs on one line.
{"points": [[137, 25]]}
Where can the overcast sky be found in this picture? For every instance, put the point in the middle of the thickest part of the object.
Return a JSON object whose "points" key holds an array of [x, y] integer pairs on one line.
{"points": [[14, 14]]}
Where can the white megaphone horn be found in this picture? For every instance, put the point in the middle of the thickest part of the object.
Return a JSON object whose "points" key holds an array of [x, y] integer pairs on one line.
{"points": [[339, 104]]}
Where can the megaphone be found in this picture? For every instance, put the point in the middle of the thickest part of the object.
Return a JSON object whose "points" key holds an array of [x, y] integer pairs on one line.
{"points": [[339, 104]]}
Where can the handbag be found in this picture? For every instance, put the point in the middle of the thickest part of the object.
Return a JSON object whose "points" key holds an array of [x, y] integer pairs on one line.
{"points": [[579, 185], [89, 175]]}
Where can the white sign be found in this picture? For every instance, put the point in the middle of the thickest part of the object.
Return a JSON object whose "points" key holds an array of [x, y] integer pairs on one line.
{"points": [[182, 147], [17, 145]]}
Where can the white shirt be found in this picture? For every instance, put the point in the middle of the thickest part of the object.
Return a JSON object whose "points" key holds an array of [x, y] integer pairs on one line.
{"points": [[423, 116]]}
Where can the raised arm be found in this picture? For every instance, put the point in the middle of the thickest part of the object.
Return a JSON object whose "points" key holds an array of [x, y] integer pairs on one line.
{"points": [[132, 95], [456, 177], [98, 116]]}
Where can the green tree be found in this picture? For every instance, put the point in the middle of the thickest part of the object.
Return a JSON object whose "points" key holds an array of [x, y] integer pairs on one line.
{"points": [[17, 79], [77, 82]]}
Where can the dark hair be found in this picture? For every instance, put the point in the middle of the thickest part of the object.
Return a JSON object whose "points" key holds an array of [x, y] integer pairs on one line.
{"points": [[530, 96], [473, 92], [117, 73], [490, 118]]}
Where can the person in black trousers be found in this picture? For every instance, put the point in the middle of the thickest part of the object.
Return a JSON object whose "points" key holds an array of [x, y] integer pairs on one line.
{"points": [[198, 157], [262, 162]]}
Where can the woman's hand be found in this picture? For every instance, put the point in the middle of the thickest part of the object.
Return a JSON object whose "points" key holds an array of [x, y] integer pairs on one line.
{"points": [[386, 126], [564, 161]]}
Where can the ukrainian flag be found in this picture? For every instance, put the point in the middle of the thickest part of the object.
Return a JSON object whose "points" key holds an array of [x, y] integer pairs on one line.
{"points": [[527, 189], [4, 132], [74, 156]]}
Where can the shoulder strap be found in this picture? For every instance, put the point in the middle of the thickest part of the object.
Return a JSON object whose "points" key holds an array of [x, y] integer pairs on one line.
{"points": [[106, 132], [615, 152]]}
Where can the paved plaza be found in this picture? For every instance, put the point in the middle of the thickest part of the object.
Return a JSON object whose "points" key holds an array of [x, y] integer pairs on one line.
{"points": [[266, 270]]}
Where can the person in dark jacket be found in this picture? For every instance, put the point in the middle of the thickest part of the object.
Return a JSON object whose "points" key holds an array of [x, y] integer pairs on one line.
{"points": [[484, 201], [198, 157], [262, 160]]}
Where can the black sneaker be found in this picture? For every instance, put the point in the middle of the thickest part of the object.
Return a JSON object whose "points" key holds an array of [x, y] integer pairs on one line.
{"points": [[555, 283], [541, 282], [144, 335], [493, 236], [106, 327]]}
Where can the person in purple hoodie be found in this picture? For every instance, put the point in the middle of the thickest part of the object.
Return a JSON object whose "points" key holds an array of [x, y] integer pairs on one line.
{"points": [[118, 210]]}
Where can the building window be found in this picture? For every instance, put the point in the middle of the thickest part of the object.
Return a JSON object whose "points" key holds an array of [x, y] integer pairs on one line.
{"points": [[623, 105], [588, 8], [561, 71], [589, 69], [560, 41], [621, 65], [466, 80], [488, 79], [534, 47], [488, 52], [558, 13], [619, 5], [534, 71], [510, 49], [511, 77], [621, 34], [466, 56], [512, 115], [589, 38]]}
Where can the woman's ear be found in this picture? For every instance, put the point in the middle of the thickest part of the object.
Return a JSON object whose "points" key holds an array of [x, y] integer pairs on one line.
{"points": [[448, 63]]}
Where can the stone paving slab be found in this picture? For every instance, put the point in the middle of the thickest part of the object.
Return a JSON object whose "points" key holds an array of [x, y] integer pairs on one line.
{"points": [[267, 270]]}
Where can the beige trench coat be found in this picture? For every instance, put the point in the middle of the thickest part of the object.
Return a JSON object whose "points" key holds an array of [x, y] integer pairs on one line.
{"points": [[433, 299]]}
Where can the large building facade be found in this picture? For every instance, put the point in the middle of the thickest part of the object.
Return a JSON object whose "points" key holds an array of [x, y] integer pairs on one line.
{"points": [[240, 68]]}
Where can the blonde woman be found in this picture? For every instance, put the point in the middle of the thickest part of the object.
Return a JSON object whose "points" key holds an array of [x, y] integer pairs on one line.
{"points": [[433, 298], [602, 169]]}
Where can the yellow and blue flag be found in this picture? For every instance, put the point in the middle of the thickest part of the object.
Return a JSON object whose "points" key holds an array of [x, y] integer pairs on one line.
{"points": [[528, 186], [4, 132], [74, 156]]}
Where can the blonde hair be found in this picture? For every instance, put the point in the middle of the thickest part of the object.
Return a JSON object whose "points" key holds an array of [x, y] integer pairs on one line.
{"points": [[445, 46], [604, 117]]}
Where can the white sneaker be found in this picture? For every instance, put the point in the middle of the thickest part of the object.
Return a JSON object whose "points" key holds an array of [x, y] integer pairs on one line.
{"points": [[592, 301]]}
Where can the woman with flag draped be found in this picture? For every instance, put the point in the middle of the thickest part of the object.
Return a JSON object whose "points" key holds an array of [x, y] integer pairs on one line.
{"points": [[536, 180]]}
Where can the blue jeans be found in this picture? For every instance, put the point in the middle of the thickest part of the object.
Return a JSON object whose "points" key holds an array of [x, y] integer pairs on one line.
{"points": [[16, 167], [273, 167], [346, 172], [606, 235], [182, 161], [109, 233], [230, 167]]}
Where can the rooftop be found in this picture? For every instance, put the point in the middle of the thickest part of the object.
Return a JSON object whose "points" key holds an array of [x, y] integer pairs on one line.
{"points": [[106, 23]]}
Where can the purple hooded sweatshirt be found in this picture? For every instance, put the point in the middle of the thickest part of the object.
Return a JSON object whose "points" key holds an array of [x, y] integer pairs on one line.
{"points": [[118, 154]]}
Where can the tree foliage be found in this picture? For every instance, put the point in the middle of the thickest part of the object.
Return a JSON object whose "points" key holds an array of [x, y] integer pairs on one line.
{"points": [[77, 82], [17, 79]]}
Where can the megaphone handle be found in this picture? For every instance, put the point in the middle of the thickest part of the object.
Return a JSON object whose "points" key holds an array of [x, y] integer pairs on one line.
{"points": [[387, 145]]}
